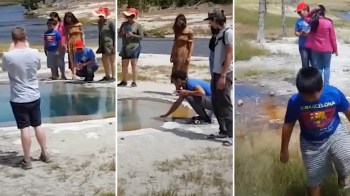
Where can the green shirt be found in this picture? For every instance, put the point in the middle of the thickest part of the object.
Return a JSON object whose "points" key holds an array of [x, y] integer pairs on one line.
{"points": [[136, 30], [106, 33]]}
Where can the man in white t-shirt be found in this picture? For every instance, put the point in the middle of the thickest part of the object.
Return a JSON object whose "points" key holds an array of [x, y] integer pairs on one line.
{"points": [[222, 77], [22, 64]]}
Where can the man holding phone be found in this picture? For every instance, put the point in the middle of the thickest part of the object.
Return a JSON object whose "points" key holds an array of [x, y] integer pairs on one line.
{"points": [[302, 29], [196, 92]]}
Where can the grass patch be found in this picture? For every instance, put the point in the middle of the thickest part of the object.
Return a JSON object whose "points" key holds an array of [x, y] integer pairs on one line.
{"points": [[160, 32], [245, 50], [107, 194], [246, 23], [197, 174], [10, 2], [245, 73], [109, 166], [140, 77], [258, 170]]}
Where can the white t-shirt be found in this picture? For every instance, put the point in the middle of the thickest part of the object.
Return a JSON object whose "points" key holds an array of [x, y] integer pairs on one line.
{"points": [[22, 66], [219, 52], [12, 45]]}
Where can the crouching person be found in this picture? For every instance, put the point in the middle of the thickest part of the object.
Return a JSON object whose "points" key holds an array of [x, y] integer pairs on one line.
{"points": [[85, 62]]}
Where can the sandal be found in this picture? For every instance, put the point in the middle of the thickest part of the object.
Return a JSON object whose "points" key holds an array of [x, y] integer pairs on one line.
{"points": [[45, 158], [25, 164], [219, 135]]}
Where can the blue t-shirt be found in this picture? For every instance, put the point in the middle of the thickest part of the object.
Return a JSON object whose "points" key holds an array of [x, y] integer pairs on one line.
{"points": [[86, 55], [52, 38], [318, 120], [302, 25], [192, 83]]}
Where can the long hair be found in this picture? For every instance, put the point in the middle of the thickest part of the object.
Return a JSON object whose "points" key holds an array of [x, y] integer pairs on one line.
{"points": [[179, 24], [315, 20], [74, 20], [55, 15]]}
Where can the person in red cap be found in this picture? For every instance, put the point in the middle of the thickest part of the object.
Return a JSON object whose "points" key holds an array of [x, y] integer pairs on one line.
{"points": [[302, 29], [106, 31], [84, 61], [130, 8], [131, 34]]}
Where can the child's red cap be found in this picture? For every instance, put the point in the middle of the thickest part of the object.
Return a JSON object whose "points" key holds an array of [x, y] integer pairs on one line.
{"points": [[301, 6]]}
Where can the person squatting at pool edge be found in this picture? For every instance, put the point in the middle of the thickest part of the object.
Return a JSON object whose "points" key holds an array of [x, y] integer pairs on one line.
{"points": [[196, 92], [324, 139]]}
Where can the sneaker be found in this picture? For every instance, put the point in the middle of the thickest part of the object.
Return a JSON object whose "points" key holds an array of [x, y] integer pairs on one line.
{"points": [[198, 120], [217, 135], [133, 84], [122, 84], [45, 158], [105, 79], [63, 78], [112, 79], [228, 142], [25, 164]]}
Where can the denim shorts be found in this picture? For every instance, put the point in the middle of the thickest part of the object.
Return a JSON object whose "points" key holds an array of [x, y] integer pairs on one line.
{"points": [[135, 55]]}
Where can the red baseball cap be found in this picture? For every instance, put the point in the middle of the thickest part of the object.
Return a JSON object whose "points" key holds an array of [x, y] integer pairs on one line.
{"points": [[79, 44], [301, 6]]}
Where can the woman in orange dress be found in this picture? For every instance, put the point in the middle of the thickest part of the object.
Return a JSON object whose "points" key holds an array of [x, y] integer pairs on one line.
{"points": [[183, 45], [74, 32]]}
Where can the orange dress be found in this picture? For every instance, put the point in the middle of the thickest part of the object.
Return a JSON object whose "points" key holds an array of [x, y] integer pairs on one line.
{"points": [[181, 51], [74, 32]]}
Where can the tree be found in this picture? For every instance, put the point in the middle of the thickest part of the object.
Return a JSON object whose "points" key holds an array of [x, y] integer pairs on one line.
{"points": [[261, 23], [284, 32]]}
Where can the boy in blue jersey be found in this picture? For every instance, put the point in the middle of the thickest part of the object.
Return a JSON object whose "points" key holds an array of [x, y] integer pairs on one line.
{"points": [[52, 48], [324, 140], [196, 92], [302, 29]]}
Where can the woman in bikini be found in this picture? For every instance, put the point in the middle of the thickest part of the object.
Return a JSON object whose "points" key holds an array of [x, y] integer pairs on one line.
{"points": [[73, 31], [183, 45]]}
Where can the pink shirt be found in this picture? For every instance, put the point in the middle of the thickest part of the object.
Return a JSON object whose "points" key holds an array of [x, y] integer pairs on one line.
{"points": [[60, 28], [324, 39]]}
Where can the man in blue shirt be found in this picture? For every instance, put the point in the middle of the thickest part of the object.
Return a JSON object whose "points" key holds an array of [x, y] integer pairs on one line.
{"points": [[196, 92], [323, 138], [85, 61], [52, 48], [302, 29]]}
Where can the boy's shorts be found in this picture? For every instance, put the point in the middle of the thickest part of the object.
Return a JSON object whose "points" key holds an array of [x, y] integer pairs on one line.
{"points": [[55, 61], [27, 114], [320, 156]]}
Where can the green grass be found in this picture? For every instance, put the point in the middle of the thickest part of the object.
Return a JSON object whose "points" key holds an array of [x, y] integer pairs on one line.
{"points": [[258, 170], [9, 2], [245, 50]]}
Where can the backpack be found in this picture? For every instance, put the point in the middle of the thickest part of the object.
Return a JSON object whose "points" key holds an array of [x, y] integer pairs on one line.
{"points": [[222, 38]]}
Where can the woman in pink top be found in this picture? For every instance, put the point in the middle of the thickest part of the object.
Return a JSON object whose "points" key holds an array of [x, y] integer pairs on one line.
{"points": [[60, 28], [321, 40]]}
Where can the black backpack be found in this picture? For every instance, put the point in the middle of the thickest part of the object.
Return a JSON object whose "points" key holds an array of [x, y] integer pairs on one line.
{"points": [[213, 43]]}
